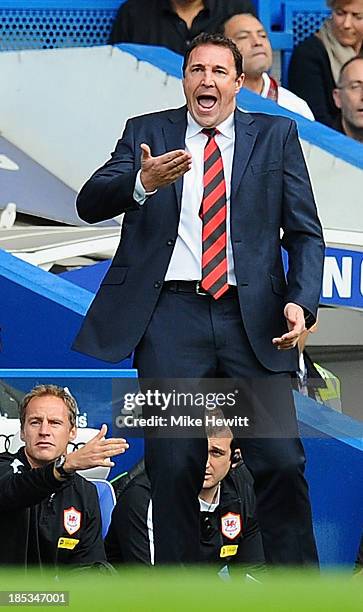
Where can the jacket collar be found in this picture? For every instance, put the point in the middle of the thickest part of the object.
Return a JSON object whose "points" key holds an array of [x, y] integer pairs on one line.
{"points": [[245, 138]]}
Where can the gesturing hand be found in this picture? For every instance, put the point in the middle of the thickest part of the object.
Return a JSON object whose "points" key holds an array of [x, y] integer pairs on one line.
{"points": [[162, 169], [295, 320], [96, 452]]}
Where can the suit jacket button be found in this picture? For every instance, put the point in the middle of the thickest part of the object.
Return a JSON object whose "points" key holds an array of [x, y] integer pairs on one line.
{"points": [[157, 284], [170, 242]]}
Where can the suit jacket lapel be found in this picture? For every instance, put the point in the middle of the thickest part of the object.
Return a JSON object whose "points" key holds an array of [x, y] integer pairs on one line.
{"points": [[245, 138], [174, 134]]}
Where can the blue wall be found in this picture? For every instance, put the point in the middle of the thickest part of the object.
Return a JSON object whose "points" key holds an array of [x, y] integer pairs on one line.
{"points": [[39, 316]]}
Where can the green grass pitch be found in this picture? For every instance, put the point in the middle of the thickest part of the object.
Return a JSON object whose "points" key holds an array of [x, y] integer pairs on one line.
{"points": [[188, 590]]}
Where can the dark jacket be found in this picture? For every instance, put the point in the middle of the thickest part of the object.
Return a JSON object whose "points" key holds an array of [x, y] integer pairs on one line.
{"points": [[44, 521], [154, 22], [311, 78], [270, 189], [127, 540]]}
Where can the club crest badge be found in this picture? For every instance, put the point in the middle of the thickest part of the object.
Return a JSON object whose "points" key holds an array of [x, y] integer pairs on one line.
{"points": [[231, 525], [72, 520]]}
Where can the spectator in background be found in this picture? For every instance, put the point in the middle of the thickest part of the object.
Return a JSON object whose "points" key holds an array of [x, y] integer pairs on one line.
{"points": [[250, 37], [348, 97], [172, 23], [316, 62]]}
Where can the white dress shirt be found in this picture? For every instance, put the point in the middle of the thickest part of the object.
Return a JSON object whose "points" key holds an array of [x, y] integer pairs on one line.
{"points": [[287, 99], [186, 259]]}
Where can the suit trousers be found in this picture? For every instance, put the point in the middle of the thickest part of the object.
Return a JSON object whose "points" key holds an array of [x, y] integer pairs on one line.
{"points": [[193, 336]]}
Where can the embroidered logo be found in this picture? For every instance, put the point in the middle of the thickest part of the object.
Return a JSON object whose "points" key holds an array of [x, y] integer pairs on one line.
{"points": [[72, 520], [231, 525]]}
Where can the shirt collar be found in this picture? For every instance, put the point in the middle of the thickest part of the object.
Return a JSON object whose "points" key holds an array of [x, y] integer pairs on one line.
{"points": [[206, 507], [266, 84], [225, 128]]}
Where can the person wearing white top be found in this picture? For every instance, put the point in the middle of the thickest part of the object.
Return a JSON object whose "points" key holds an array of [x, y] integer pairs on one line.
{"points": [[249, 35]]}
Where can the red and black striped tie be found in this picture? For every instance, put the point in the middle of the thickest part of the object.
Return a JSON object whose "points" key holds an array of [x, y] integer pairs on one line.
{"points": [[213, 213]]}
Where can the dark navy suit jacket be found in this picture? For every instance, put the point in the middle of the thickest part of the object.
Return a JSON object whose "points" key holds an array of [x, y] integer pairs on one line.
{"points": [[270, 190]]}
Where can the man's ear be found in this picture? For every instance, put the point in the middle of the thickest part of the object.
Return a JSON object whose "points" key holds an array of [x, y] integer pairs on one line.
{"points": [[236, 457], [239, 82], [73, 434], [22, 435], [336, 96]]}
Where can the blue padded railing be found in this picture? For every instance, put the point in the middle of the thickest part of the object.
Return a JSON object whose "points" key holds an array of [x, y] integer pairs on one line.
{"points": [[48, 24]]}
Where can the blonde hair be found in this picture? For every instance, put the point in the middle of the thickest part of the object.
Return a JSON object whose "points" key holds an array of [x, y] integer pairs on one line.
{"points": [[55, 391]]}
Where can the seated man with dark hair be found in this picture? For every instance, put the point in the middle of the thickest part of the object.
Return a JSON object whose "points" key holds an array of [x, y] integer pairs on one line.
{"points": [[251, 38], [229, 533], [49, 515], [172, 23]]}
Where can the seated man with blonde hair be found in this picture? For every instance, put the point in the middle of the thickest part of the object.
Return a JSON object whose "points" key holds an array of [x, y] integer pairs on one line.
{"points": [[49, 515]]}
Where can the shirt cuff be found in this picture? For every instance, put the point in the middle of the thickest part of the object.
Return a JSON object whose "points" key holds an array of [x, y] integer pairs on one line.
{"points": [[140, 195]]}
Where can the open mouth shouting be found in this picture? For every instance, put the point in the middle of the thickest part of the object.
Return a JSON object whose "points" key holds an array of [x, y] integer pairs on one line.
{"points": [[206, 102]]}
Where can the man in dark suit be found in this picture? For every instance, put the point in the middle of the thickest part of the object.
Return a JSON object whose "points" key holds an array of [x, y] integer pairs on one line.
{"points": [[197, 286]]}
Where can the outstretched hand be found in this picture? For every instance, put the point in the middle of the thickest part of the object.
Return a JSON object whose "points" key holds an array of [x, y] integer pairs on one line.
{"points": [[163, 169], [96, 452], [295, 320]]}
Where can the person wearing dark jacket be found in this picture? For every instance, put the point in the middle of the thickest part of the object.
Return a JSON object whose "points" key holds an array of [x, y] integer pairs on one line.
{"points": [[172, 23], [316, 62], [229, 532], [49, 515]]}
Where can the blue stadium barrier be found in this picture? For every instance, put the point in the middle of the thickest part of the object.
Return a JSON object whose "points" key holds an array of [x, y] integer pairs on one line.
{"points": [[334, 449], [40, 315]]}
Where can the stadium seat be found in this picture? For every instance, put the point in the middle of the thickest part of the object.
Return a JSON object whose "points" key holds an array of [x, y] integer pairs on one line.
{"points": [[57, 23], [300, 20], [107, 499]]}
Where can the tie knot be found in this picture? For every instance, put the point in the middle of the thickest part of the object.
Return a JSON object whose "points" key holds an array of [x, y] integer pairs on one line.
{"points": [[210, 132]]}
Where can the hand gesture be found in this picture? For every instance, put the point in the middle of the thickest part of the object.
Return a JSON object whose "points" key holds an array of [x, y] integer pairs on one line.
{"points": [[295, 319], [163, 169], [96, 452]]}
